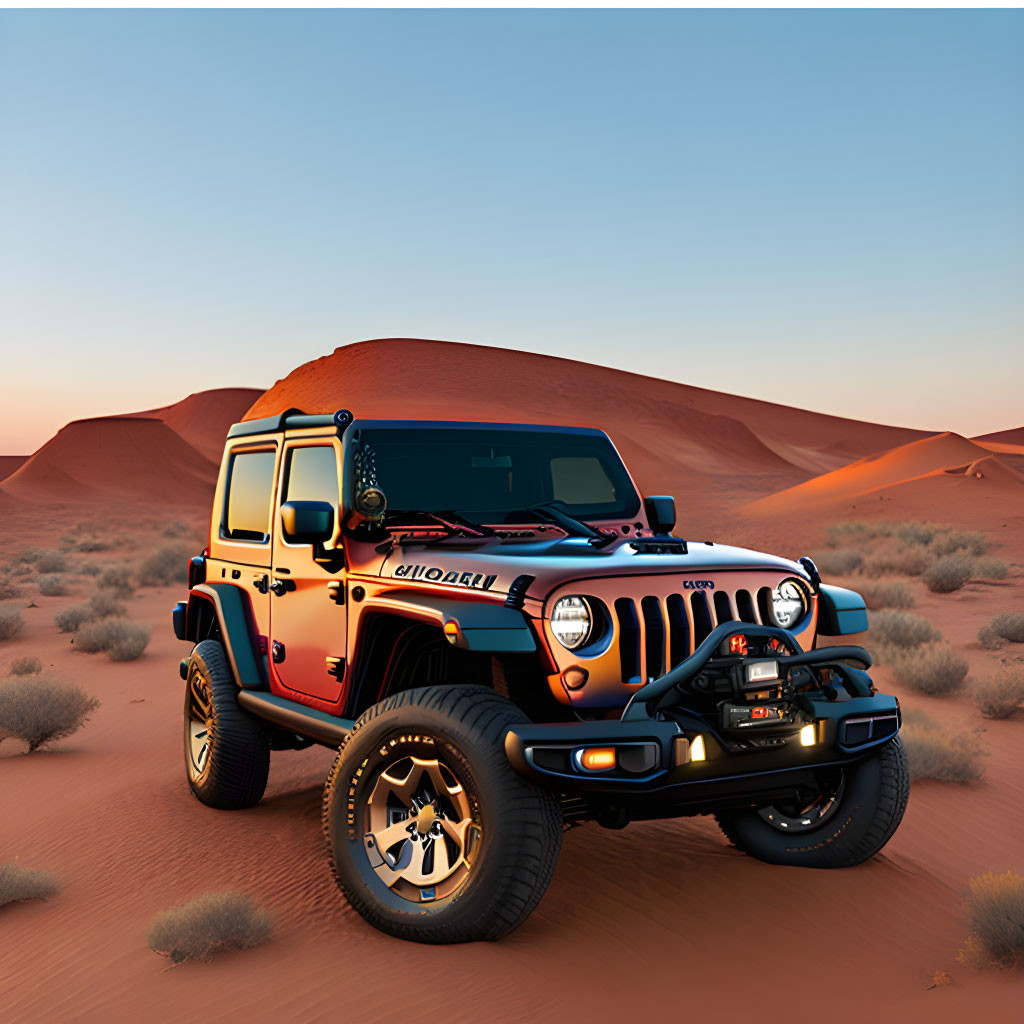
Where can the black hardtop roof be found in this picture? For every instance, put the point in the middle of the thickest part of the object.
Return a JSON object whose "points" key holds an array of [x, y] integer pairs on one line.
{"points": [[294, 419]]}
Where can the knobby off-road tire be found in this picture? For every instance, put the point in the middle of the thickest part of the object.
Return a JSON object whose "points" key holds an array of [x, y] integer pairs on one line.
{"points": [[227, 751], [432, 836], [867, 809]]}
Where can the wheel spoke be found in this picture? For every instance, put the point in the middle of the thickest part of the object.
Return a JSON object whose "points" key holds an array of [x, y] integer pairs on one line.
{"points": [[402, 789], [393, 834]]}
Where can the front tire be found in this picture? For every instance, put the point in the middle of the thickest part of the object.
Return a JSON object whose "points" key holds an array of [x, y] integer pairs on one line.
{"points": [[432, 836], [856, 814], [227, 751]]}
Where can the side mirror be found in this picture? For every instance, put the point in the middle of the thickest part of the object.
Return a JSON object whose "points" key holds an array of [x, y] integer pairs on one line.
{"points": [[661, 513], [307, 522]]}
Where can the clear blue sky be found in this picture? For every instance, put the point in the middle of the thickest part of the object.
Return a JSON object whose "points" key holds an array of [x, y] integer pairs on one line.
{"points": [[824, 208]]}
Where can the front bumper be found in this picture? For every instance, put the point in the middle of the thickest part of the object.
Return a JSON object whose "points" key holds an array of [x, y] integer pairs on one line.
{"points": [[670, 758]]}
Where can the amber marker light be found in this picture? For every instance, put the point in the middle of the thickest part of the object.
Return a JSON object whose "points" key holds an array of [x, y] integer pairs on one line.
{"points": [[807, 736], [697, 752], [597, 759], [451, 631]]}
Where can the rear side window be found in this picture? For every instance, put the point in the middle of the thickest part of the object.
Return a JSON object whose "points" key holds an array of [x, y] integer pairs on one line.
{"points": [[313, 475], [250, 492]]}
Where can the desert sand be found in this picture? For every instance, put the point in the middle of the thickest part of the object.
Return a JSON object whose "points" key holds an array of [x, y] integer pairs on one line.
{"points": [[658, 918]]}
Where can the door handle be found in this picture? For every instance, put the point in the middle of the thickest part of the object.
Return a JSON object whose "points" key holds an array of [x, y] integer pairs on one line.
{"points": [[260, 583], [280, 587]]}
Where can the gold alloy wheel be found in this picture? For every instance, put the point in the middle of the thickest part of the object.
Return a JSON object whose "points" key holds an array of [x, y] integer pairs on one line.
{"points": [[420, 839], [200, 711]]}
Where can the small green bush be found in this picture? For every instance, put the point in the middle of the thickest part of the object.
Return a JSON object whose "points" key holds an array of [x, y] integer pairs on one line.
{"points": [[995, 906], [165, 566], [931, 668], [124, 641], [51, 586], [841, 562], [118, 579], [941, 753], [901, 630], [26, 666], [1001, 694], [1004, 628], [886, 594], [949, 573], [51, 562], [11, 622], [39, 710], [18, 883], [208, 925]]}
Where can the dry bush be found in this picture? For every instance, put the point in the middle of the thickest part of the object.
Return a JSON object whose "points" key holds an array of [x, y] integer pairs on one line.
{"points": [[26, 666], [901, 630], [51, 586], [18, 883], [28, 556], [70, 620], [11, 622], [124, 641], [9, 590], [995, 907], [1000, 695], [990, 569], [967, 542], [207, 925], [93, 544], [39, 710], [119, 579], [165, 566], [838, 563], [896, 557], [886, 594], [50, 562], [941, 753], [932, 669], [89, 569], [22, 570], [1009, 626], [104, 605], [949, 573]]}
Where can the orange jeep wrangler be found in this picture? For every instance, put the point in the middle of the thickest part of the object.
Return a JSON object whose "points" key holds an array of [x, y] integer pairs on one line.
{"points": [[502, 639]]}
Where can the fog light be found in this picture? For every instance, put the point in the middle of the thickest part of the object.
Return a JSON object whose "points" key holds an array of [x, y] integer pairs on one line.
{"points": [[596, 759], [807, 735], [697, 752], [761, 671]]}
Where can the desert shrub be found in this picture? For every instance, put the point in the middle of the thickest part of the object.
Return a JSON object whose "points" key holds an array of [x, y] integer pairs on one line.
{"points": [[901, 630], [166, 565], [886, 594], [990, 569], [28, 556], [11, 622], [26, 666], [93, 544], [51, 561], [966, 542], [208, 925], [70, 620], [949, 573], [20, 883], [995, 907], [1000, 695], [22, 571], [9, 590], [104, 605], [941, 753], [38, 710], [1009, 626], [932, 669], [90, 570], [51, 586], [124, 641], [119, 579], [894, 557], [838, 563]]}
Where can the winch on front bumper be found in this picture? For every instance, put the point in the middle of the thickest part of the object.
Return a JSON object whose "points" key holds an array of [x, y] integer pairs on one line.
{"points": [[749, 717]]}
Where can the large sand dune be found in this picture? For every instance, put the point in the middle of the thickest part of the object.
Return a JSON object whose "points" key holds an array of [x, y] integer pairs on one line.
{"points": [[9, 463]]}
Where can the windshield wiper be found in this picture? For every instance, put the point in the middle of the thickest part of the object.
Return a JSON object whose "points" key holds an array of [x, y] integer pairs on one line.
{"points": [[454, 522], [552, 513]]}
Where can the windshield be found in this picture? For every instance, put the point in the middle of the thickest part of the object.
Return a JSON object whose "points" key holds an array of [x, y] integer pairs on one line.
{"points": [[493, 476]]}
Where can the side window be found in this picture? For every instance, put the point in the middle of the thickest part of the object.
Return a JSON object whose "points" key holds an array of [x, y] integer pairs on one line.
{"points": [[312, 475], [581, 481], [250, 492]]}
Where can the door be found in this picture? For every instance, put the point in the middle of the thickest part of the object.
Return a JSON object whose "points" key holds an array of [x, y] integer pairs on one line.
{"points": [[307, 609]]}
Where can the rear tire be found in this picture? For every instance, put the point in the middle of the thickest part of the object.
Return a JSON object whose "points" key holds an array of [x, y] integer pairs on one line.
{"points": [[866, 808], [432, 836], [227, 751]]}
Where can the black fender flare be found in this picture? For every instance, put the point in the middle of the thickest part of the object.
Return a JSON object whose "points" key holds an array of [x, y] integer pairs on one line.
{"points": [[234, 617], [482, 626]]}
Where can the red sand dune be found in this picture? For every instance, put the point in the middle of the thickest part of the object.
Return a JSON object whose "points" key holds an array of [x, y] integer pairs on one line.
{"points": [[203, 419], [709, 447], [941, 456], [9, 463], [114, 458], [1015, 435]]}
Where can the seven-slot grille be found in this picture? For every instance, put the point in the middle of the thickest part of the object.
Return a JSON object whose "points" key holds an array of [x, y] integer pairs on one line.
{"points": [[657, 633]]}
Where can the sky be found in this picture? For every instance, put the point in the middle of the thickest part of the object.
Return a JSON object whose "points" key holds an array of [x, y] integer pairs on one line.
{"points": [[820, 208]]}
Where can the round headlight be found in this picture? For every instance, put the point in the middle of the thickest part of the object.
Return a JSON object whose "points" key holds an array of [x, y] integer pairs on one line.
{"points": [[571, 622], [789, 604]]}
